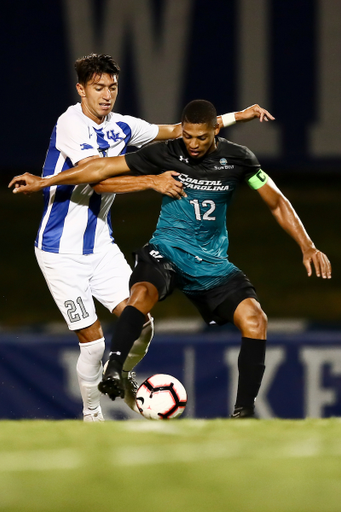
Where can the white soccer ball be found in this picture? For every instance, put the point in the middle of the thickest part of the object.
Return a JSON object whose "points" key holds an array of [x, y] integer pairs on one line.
{"points": [[161, 397]]}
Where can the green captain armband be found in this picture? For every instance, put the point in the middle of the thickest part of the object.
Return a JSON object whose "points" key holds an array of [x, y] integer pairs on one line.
{"points": [[258, 180]]}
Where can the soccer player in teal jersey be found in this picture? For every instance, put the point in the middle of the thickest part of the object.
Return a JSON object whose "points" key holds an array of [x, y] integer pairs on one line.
{"points": [[189, 247]]}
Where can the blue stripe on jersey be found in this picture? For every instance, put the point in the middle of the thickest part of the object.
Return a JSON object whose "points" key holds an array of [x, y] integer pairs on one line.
{"points": [[55, 225], [95, 200], [52, 155], [127, 132], [102, 143], [89, 235], [110, 225]]}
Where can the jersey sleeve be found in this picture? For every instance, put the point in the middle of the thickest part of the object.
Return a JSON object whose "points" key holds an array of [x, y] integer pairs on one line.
{"points": [[141, 132], [254, 176], [148, 160], [72, 139]]}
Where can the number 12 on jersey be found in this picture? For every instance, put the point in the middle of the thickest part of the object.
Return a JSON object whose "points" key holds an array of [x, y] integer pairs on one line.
{"points": [[208, 204]]}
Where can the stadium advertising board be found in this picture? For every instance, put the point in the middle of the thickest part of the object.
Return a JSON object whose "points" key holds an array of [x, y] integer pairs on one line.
{"points": [[302, 378]]}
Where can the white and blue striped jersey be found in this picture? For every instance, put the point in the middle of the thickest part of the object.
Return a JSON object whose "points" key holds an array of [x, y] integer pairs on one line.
{"points": [[76, 220]]}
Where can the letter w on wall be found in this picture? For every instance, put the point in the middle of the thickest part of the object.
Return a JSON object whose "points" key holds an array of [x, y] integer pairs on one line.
{"points": [[158, 62]]}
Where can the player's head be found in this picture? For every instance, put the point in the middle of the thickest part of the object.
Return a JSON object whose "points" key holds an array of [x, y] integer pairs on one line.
{"points": [[97, 84], [200, 112], [199, 128], [90, 66]]}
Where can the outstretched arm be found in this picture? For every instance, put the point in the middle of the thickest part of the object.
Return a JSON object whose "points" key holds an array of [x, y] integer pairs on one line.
{"points": [[162, 183], [91, 171], [88, 171], [173, 131], [286, 217], [254, 112]]}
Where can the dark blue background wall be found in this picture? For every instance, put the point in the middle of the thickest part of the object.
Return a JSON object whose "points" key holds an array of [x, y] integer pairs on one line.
{"points": [[302, 378], [284, 54]]}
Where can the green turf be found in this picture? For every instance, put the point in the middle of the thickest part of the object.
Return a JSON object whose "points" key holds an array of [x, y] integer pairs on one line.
{"points": [[184, 465]]}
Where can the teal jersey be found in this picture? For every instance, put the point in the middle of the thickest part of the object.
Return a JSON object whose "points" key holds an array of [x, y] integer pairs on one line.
{"points": [[191, 232]]}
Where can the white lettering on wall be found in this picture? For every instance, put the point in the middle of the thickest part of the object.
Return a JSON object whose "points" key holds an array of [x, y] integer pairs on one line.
{"points": [[111, 410], [274, 358], [325, 134], [189, 381], [159, 56], [316, 397], [253, 81]]}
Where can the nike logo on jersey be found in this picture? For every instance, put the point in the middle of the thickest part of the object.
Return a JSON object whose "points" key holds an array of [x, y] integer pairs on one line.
{"points": [[86, 146]]}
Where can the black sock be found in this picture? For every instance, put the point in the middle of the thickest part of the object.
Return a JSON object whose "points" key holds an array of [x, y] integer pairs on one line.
{"points": [[128, 329], [251, 369]]}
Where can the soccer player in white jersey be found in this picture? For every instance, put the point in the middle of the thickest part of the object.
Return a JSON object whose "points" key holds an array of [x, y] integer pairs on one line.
{"points": [[74, 247]]}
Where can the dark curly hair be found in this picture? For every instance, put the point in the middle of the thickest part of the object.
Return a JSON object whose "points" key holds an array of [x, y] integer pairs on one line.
{"points": [[95, 64], [198, 112]]}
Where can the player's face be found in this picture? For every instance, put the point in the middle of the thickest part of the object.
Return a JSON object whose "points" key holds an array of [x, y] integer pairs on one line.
{"points": [[199, 139], [98, 96]]}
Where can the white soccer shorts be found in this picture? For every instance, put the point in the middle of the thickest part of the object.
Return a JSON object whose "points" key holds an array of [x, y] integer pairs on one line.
{"points": [[74, 280]]}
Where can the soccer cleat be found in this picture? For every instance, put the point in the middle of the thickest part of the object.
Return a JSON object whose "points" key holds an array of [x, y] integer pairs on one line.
{"points": [[93, 416], [243, 412], [130, 389], [112, 382]]}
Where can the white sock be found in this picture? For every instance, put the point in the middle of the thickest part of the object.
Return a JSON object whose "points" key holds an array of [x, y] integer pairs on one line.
{"points": [[89, 372]]}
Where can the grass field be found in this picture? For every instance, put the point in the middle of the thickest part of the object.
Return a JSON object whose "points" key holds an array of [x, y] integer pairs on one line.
{"points": [[180, 465]]}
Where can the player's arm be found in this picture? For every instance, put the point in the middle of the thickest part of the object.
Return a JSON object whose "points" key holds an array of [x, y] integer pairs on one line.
{"points": [[173, 131], [286, 217], [89, 171], [162, 183], [253, 112]]}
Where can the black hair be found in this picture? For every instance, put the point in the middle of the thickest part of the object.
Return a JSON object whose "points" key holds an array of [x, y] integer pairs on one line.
{"points": [[95, 64], [199, 112]]}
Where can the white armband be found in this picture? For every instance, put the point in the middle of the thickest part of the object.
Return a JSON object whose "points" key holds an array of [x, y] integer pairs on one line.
{"points": [[228, 119]]}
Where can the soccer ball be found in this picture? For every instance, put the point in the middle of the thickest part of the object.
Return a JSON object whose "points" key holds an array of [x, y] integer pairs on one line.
{"points": [[161, 397]]}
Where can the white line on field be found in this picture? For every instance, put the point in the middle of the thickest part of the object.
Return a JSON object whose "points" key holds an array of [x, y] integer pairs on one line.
{"points": [[152, 454], [39, 460], [181, 452], [163, 427]]}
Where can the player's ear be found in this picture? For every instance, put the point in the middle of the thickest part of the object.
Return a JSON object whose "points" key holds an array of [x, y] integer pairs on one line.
{"points": [[80, 90], [216, 129]]}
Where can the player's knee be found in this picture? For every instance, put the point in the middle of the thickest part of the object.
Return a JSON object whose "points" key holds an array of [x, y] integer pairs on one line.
{"points": [[258, 322], [254, 321], [143, 294]]}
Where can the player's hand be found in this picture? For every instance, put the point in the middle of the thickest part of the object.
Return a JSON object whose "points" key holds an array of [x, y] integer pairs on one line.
{"points": [[167, 184], [253, 112], [26, 183], [321, 263]]}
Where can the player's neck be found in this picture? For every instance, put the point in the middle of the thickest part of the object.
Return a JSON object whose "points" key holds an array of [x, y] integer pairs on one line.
{"points": [[213, 147], [88, 113]]}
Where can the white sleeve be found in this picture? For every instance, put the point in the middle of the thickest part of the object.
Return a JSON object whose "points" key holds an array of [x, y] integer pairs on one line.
{"points": [[141, 131], [73, 140]]}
